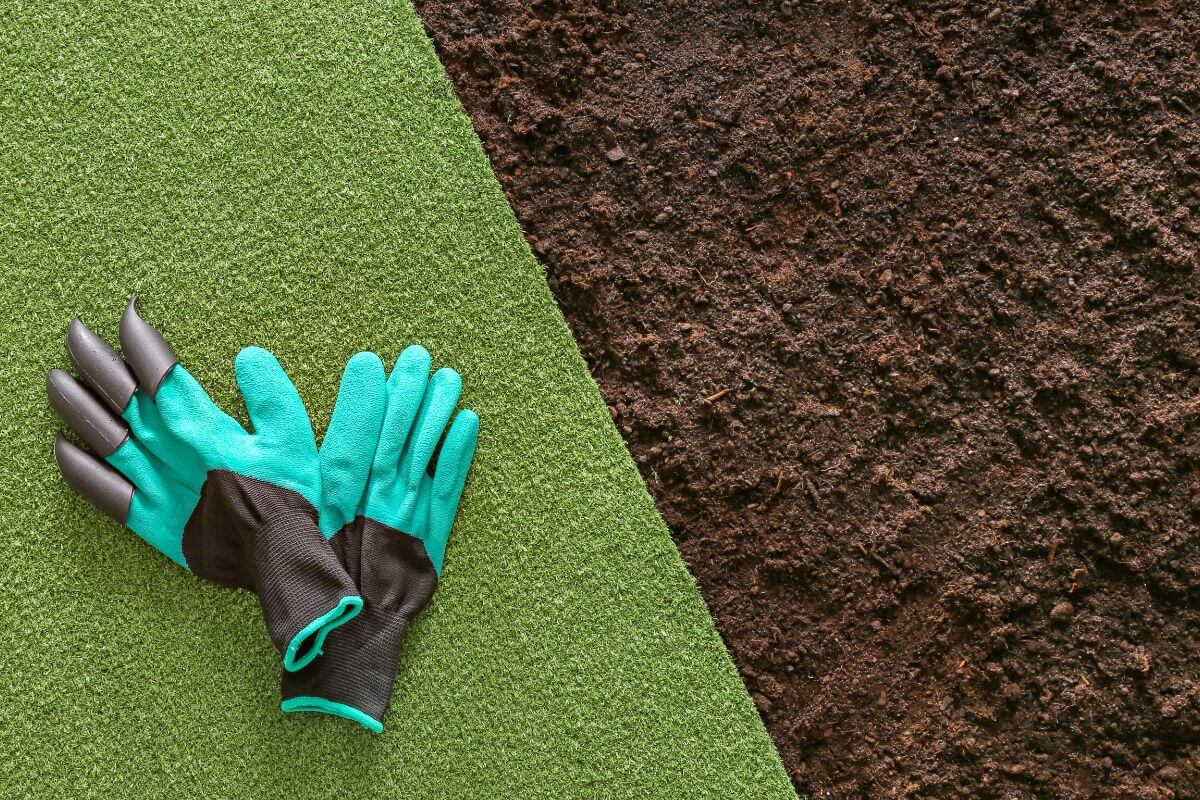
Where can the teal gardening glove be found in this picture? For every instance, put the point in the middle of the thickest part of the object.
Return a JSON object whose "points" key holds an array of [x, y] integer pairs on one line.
{"points": [[389, 528], [235, 507]]}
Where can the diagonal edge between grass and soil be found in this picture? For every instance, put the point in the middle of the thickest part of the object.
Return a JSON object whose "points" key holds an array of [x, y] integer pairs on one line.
{"points": [[303, 178]]}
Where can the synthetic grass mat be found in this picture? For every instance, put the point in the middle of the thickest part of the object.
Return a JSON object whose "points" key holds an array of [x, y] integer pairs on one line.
{"points": [[300, 176]]}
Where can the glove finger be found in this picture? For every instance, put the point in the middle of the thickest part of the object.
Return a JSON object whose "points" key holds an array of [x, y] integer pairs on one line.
{"points": [[85, 414], [349, 445], [148, 352], [101, 367], [148, 474], [190, 414], [436, 409], [272, 402], [100, 484], [449, 478], [109, 377], [406, 387], [454, 459]]}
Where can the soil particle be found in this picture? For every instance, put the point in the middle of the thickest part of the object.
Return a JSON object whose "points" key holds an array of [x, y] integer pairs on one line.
{"points": [[1062, 612], [897, 307]]}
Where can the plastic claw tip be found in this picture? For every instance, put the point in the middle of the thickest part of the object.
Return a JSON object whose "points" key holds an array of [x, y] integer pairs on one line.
{"points": [[100, 366], [148, 352], [100, 484], [85, 415]]}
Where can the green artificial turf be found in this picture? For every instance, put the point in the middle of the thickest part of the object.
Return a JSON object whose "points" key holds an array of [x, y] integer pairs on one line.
{"points": [[300, 176]]}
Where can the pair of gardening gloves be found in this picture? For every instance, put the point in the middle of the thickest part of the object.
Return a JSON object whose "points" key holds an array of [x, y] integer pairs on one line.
{"points": [[343, 544]]}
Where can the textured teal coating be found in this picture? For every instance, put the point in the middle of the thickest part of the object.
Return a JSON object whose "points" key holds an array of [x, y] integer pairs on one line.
{"points": [[441, 494], [322, 706], [349, 445], [179, 436], [161, 503], [281, 449], [146, 423], [166, 475], [405, 390], [401, 493], [379, 441]]}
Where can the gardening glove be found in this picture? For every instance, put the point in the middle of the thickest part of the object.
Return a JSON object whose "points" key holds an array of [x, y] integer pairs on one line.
{"points": [[234, 507], [391, 537]]}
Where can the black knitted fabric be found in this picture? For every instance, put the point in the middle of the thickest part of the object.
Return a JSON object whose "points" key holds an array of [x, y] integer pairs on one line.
{"points": [[250, 534], [396, 580]]}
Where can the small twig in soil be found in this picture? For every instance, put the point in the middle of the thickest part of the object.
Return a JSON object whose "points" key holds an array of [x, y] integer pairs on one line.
{"points": [[1053, 550], [778, 483], [712, 398], [879, 560], [701, 277]]}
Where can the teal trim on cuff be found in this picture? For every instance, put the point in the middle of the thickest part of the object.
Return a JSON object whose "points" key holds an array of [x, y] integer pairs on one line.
{"points": [[346, 609], [322, 706]]}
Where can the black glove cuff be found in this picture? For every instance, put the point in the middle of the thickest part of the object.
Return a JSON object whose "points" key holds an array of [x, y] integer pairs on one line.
{"points": [[357, 673], [303, 590], [247, 533], [397, 580]]}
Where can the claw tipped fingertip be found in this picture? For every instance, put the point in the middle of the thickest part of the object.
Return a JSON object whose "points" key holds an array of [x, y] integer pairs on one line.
{"points": [[100, 366], [148, 352], [100, 484], [84, 414]]}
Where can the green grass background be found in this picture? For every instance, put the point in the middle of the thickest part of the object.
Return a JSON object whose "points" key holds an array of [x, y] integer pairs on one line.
{"points": [[300, 176]]}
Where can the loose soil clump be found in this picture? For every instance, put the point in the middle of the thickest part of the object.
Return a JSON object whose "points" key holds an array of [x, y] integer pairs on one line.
{"points": [[897, 307]]}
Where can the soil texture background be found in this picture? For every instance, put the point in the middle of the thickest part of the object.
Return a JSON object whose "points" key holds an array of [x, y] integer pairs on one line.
{"points": [[897, 307]]}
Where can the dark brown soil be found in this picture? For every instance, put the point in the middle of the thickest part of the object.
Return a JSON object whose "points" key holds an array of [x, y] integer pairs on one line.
{"points": [[897, 307]]}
